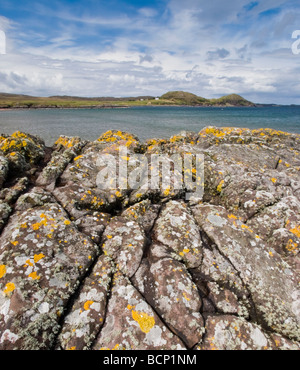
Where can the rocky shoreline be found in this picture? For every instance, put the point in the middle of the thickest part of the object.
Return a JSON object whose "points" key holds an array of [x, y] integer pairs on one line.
{"points": [[146, 269]]}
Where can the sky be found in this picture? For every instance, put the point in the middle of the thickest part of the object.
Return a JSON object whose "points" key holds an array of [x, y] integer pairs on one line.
{"points": [[130, 48]]}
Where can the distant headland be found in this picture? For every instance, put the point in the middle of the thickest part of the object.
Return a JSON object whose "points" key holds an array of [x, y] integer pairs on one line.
{"points": [[172, 98]]}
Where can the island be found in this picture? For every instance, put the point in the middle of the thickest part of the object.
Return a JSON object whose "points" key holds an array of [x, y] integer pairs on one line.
{"points": [[86, 267], [173, 98]]}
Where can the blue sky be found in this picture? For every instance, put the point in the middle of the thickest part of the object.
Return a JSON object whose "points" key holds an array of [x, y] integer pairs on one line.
{"points": [[130, 48]]}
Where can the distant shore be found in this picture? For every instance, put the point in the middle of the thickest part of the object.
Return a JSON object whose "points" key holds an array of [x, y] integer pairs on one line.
{"points": [[173, 98], [170, 99], [138, 105]]}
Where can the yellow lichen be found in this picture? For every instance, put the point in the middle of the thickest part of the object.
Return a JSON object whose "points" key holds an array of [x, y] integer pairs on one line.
{"points": [[19, 135], [296, 231], [185, 296], [292, 247], [111, 137], [145, 321], [2, 271], [186, 250], [34, 276], [67, 142], [28, 263], [38, 257], [9, 288], [220, 186], [37, 225], [87, 305], [76, 159], [116, 347], [243, 226], [215, 132], [167, 191]]}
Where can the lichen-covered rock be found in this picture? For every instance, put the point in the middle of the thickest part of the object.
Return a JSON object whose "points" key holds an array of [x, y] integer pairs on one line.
{"points": [[177, 229], [259, 265], [11, 194], [132, 324], [125, 257], [220, 285], [65, 149], [4, 165], [5, 211], [168, 286], [232, 333], [145, 213], [42, 258], [36, 197], [83, 323], [124, 242], [26, 148], [93, 224]]}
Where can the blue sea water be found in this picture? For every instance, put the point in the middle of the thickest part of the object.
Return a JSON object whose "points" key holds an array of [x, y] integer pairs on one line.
{"points": [[145, 122]]}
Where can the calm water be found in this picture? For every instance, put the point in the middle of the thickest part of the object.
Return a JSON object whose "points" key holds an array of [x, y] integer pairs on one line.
{"points": [[145, 122]]}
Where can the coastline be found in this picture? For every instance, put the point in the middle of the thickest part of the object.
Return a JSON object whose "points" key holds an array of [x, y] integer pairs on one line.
{"points": [[134, 106], [173, 98], [95, 107]]}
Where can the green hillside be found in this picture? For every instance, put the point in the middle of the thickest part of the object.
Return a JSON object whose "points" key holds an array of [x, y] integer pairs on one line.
{"points": [[232, 99], [183, 98]]}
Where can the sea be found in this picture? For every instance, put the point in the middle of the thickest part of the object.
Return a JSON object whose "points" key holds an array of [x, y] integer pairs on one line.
{"points": [[144, 122]]}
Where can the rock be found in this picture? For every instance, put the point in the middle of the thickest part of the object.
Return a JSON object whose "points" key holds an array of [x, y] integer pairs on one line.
{"points": [[177, 229], [43, 257], [145, 213], [168, 286], [132, 324], [64, 151], [36, 197], [83, 323], [11, 194], [276, 302], [5, 211], [92, 257], [22, 149], [124, 242], [4, 165], [93, 224], [232, 333]]}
